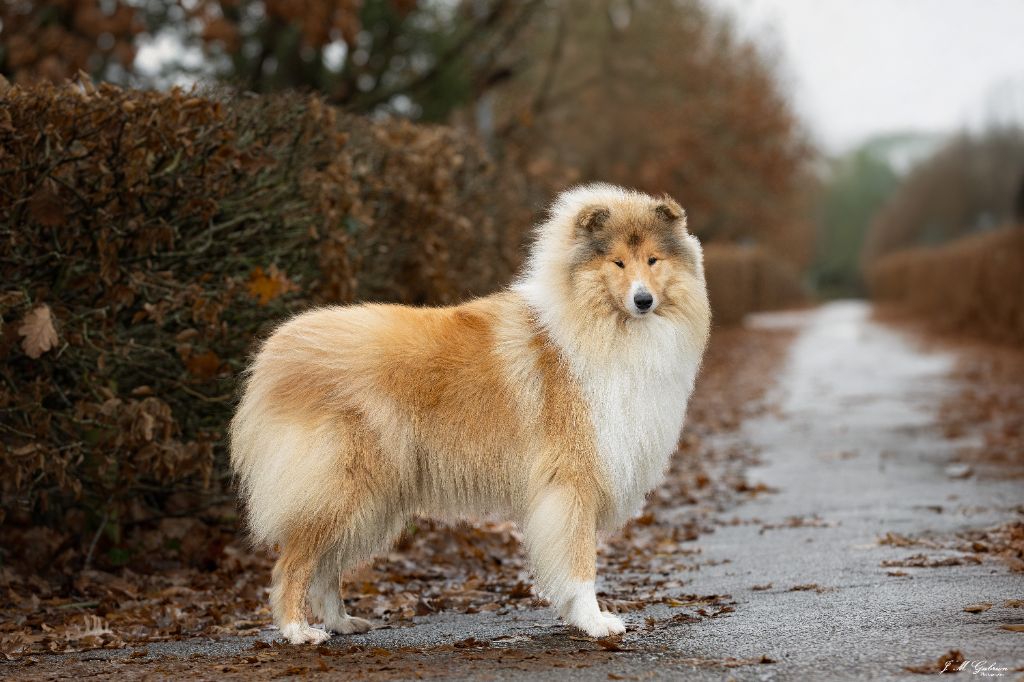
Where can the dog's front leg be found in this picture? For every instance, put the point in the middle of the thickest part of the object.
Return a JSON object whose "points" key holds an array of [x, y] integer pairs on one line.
{"points": [[561, 538]]}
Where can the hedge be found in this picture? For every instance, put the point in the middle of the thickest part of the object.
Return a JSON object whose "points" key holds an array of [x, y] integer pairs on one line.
{"points": [[973, 285], [149, 238]]}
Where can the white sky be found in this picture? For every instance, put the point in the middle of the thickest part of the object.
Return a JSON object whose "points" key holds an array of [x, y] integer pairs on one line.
{"points": [[856, 68]]}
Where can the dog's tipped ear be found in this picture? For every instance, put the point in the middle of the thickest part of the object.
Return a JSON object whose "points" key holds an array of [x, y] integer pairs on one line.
{"points": [[671, 212], [592, 218]]}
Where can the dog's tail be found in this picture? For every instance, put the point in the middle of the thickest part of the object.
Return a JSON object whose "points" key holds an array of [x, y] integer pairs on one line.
{"points": [[282, 466]]}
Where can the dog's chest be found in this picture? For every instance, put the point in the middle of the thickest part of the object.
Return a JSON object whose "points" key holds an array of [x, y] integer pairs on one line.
{"points": [[638, 411]]}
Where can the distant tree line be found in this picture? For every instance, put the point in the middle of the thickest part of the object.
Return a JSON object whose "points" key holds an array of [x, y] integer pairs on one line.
{"points": [[974, 183]]}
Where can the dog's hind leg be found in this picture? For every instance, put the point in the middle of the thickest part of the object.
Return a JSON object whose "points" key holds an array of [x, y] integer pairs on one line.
{"points": [[561, 538], [289, 583], [325, 596]]}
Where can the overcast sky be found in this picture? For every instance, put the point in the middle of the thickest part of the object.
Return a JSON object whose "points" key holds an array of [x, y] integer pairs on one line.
{"points": [[856, 68]]}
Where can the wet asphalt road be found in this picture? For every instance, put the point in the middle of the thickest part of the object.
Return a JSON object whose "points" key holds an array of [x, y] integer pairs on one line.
{"points": [[854, 452]]}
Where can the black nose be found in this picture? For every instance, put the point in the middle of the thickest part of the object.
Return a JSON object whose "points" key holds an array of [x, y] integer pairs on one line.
{"points": [[643, 301]]}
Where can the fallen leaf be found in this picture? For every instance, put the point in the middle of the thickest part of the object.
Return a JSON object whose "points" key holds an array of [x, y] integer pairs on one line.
{"points": [[1014, 627], [896, 540], [204, 365], [923, 561], [471, 643], [948, 662], [808, 587], [38, 330], [611, 644], [266, 286], [978, 608]]}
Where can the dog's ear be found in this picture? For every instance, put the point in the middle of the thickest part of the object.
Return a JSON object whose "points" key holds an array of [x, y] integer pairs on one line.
{"points": [[592, 218], [670, 212]]}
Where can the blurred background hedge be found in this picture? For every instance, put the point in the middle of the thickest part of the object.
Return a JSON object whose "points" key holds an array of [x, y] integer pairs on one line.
{"points": [[973, 285], [947, 243], [743, 279]]}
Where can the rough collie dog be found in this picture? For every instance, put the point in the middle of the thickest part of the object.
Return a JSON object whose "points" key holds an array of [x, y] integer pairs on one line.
{"points": [[555, 403]]}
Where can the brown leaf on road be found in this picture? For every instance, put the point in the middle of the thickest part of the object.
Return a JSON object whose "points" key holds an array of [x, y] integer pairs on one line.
{"points": [[980, 607], [809, 587], [897, 540], [612, 644], [696, 599], [621, 605], [948, 662], [1014, 627], [923, 561], [471, 643], [38, 330]]}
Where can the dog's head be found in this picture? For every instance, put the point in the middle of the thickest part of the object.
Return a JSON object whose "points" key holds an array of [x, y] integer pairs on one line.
{"points": [[621, 252], [636, 251]]}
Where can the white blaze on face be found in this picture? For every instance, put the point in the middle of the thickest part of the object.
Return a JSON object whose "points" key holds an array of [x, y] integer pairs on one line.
{"points": [[639, 288]]}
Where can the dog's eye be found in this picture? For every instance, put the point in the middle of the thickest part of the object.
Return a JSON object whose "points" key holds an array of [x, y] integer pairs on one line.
{"points": [[620, 263], [652, 260]]}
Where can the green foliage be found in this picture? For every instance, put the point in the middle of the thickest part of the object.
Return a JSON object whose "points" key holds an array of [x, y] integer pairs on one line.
{"points": [[857, 187]]}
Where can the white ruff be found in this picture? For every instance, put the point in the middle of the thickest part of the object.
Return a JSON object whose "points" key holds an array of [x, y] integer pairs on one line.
{"points": [[636, 388], [638, 403]]}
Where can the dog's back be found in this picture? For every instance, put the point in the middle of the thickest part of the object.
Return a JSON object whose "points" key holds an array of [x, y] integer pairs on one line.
{"points": [[399, 407]]}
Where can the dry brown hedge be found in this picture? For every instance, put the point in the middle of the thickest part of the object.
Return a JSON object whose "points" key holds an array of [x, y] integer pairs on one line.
{"points": [[146, 240], [973, 285], [747, 279]]}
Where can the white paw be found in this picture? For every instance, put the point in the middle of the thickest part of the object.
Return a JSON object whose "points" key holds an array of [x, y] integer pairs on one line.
{"points": [[347, 625], [599, 624], [614, 623], [303, 633]]}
